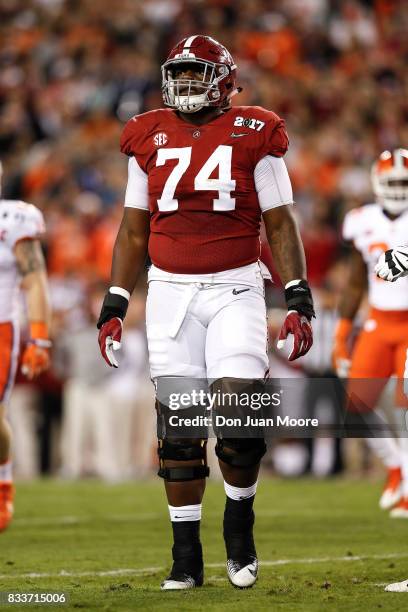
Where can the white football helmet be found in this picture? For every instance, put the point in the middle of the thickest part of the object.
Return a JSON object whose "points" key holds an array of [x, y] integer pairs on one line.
{"points": [[389, 175]]}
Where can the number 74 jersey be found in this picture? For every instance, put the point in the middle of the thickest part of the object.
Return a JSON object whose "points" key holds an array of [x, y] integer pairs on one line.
{"points": [[200, 187]]}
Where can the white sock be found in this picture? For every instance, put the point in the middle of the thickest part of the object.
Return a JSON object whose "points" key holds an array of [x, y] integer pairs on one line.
{"points": [[239, 493], [6, 471], [185, 513], [400, 416], [404, 466], [386, 449]]}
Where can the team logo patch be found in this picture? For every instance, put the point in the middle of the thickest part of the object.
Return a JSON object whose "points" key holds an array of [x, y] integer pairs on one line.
{"points": [[160, 139]]}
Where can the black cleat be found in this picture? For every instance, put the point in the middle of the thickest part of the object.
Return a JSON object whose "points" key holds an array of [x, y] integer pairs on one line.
{"points": [[242, 562]]}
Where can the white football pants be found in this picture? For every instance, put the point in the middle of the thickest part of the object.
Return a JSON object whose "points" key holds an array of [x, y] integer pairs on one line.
{"points": [[209, 331]]}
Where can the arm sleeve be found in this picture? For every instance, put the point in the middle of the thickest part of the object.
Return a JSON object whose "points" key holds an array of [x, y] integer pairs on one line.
{"points": [[136, 190], [272, 183]]}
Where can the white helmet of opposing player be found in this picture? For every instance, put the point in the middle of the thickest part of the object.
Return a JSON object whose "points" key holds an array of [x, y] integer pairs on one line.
{"points": [[389, 175]]}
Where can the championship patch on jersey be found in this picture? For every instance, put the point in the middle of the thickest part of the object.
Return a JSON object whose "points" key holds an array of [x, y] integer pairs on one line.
{"points": [[252, 124]]}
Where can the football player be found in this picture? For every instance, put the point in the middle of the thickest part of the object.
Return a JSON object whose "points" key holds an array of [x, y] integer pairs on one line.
{"points": [[381, 347], [202, 174], [21, 266], [392, 265]]}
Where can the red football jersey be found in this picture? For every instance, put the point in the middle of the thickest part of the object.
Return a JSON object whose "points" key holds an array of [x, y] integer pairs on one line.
{"points": [[205, 214]]}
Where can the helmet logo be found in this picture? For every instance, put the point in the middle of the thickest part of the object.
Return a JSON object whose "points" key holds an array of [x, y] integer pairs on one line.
{"points": [[185, 55], [160, 139]]}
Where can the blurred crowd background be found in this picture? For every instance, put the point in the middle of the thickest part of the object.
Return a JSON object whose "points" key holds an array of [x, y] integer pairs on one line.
{"points": [[72, 72]]}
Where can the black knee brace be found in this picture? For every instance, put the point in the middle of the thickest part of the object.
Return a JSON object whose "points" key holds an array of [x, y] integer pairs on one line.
{"points": [[240, 452], [182, 450]]}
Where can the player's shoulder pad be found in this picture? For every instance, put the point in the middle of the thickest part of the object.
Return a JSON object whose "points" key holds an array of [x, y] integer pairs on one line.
{"points": [[272, 138], [139, 127], [355, 220], [258, 112], [25, 220]]}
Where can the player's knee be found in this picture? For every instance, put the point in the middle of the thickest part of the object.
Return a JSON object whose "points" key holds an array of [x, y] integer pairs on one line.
{"points": [[182, 460], [240, 452]]}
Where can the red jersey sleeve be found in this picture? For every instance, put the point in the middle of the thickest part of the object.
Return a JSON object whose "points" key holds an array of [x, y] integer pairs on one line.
{"points": [[274, 137], [136, 138], [133, 141], [268, 131], [129, 137]]}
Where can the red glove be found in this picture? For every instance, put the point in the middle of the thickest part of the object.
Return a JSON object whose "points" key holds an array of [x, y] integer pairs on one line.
{"points": [[298, 325], [110, 335]]}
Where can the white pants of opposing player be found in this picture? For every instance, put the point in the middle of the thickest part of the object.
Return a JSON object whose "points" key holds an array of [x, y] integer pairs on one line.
{"points": [[203, 330], [24, 418], [89, 439]]}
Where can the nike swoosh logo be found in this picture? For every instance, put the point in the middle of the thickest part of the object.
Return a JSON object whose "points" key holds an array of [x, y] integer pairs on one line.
{"points": [[236, 292], [234, 135], [184, 517]]}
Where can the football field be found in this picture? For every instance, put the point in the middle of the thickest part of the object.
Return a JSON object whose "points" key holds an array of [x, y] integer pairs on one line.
{"points": [[322, 546]]}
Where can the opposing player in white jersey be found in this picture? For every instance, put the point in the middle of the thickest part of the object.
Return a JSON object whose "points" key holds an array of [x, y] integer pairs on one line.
{"points": [[392, 265], [381, 347], [21, 266]]}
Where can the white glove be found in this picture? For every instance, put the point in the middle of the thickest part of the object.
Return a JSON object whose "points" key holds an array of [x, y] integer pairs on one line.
{"points": [[393, 264], [343, 367]]}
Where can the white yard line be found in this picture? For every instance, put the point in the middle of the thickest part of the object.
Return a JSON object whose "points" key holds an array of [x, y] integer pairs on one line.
{"points": [[148, 570], [78, 520], [68, 574], [314, 560], [26, 521]]}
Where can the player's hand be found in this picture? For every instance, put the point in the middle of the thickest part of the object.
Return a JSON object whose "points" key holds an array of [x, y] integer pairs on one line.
{"points": [[300, 312], [298, 325], [110, 323], [341, 353], [35, 359], [110, 336], [393, 264]]}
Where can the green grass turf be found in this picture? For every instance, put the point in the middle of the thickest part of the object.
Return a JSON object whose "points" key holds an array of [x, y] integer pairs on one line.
{"points": [[91, 527]]}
